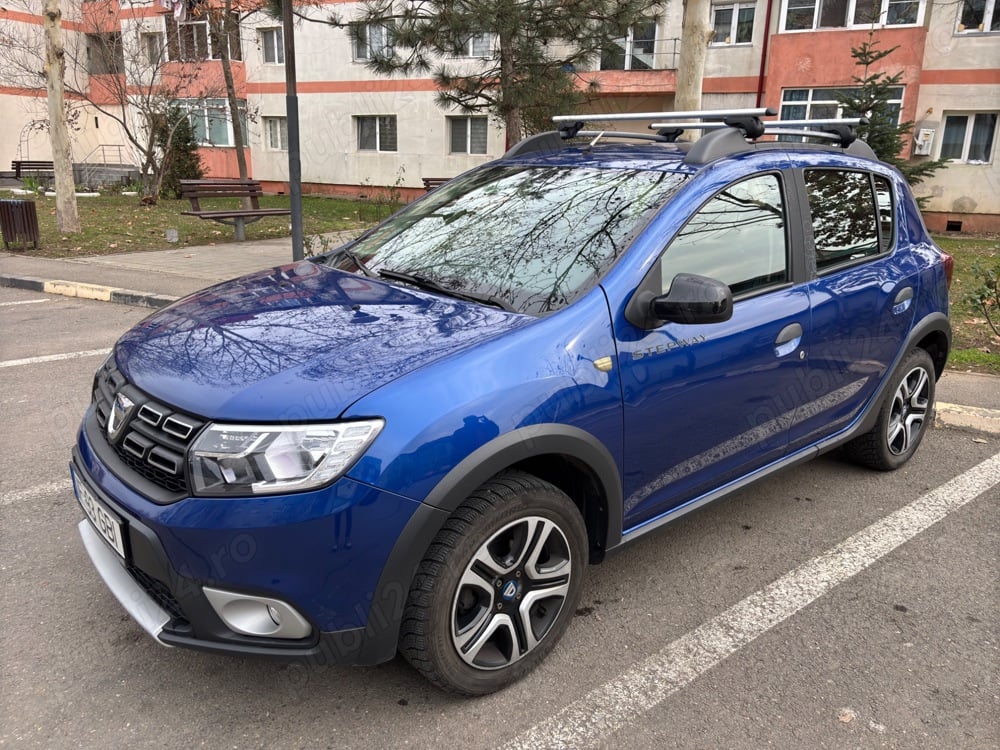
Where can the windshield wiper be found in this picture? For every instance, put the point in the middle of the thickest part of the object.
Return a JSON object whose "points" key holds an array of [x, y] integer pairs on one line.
{"points": [[352, 256], [423, 282]]}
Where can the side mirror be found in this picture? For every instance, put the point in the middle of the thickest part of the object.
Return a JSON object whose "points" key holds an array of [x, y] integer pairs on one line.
{"points": [[694, 299]]}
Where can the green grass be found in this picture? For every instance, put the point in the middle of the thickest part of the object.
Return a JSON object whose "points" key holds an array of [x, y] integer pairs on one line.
{"points": [[974, 344], [118, 224]]}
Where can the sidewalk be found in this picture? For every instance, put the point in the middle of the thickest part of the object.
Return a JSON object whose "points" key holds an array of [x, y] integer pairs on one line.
{"points": [[157, 278]]}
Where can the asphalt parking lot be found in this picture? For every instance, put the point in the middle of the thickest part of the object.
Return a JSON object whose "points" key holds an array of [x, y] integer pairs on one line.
{"points": [[827, 607]]}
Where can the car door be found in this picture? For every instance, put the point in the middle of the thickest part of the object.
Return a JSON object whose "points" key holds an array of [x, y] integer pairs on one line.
{"points": [[706, 403], [861, 298]]}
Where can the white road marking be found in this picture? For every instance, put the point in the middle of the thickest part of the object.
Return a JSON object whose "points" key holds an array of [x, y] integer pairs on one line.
{"points": [[53, 358], [614, 705], [24, 302], [35, 493]]}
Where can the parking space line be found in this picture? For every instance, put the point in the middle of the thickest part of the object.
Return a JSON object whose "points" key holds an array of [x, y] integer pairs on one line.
{"points": [[611, 707], [24, 302], [53, 358]]}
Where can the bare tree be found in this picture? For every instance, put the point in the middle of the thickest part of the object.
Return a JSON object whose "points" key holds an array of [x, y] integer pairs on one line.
{"points": [[696, 32], [67, 216], [120, 67]]}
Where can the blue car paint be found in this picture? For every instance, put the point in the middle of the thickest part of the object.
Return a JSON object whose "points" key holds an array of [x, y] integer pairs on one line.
{"points": [[307, 343]]}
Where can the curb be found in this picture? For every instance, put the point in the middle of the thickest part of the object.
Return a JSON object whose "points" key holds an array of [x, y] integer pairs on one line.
{"points": [[968, 417], [88, 291]]}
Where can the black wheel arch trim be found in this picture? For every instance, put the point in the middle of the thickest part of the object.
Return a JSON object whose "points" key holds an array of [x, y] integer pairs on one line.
{"points": [[523, 444], [385, 613], [935, 323]]}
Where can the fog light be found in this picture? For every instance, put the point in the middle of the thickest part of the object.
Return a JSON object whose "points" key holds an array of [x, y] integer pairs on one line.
{"points": [[257, 615]]}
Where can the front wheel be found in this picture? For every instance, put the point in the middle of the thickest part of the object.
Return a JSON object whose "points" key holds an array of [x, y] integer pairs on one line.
{"points": [[498, 586], [903, 418]]}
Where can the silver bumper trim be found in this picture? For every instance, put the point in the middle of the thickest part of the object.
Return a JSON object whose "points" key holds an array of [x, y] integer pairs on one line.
{"points": [[140, 605]]}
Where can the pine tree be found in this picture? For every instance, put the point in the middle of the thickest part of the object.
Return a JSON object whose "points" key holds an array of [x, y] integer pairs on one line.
{"points": [[870, 98], [528, 72]]}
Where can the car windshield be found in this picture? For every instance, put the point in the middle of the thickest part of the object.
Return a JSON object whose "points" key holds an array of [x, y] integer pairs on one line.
{"points": [[528, 239]]}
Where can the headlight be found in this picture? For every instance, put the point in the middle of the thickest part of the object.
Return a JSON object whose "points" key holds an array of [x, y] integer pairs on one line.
{"points": [[264, 459]]}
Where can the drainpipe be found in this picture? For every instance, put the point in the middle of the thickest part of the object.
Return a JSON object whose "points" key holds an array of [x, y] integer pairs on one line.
{"points": [[763, 53]]}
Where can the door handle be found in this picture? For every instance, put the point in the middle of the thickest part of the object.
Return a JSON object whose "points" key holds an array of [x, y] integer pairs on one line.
{"points": [[788, 340]]}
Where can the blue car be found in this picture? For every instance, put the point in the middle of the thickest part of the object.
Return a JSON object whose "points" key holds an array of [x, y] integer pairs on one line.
{"points": [[418, 442]]}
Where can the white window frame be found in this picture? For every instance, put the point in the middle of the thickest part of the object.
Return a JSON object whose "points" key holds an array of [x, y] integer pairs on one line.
{"points": [[154, 48], [373, 39], [816, 98], [967, 141], [849, 20], [272, 43], [629, 45], [468, 134], [378, 134], [276, 133], [208, 110], [481, 42], [991, 16], [736, 7]]}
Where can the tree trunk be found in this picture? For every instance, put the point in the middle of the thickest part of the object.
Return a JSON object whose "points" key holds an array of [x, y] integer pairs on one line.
{"points": [[225, 28], [511, 112], [67, 216], [696, 32]]}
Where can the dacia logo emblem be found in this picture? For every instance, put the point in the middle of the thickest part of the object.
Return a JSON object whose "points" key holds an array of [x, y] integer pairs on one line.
{"points": [[121, 411], [509, 590]]}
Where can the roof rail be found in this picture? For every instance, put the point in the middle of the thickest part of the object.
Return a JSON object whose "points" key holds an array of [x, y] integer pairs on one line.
{"points": [[730, 131], [714, 114]]}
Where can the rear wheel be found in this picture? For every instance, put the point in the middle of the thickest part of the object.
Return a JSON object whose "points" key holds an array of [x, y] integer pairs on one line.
{"points": [[903, 418], [498, 586]]}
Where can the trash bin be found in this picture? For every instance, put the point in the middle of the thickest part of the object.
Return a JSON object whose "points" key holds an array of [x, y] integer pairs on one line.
{"points": [[19, 223]]}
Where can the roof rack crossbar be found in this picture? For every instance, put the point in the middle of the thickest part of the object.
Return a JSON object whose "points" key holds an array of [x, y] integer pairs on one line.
{"points": [[715, 114], [621, 134]]}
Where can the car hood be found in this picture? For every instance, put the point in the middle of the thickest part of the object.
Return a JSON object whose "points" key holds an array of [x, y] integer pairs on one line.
{"points": [[298, 342]]}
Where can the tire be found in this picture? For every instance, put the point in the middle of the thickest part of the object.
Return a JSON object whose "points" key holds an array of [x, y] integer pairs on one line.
{"points": [[497, 587], [903, 418]]}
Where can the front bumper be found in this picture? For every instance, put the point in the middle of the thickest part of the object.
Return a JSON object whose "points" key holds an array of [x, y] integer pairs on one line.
{"points": [[343, 558]]}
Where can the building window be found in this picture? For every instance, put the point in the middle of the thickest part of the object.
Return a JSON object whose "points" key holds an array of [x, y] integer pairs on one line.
{"points": [[978, 15], [272, 45], [733, 23], [105, 54], [276, 132], [816, 104], [193, 40], [478, 45], [211, 122], [804, 15], [376, 133], [969, 137], [154, 48], [468, 135], [372, 41], [634, 51]]}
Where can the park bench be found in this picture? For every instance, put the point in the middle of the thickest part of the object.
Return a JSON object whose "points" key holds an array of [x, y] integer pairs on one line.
{"points": [[432, 182], [26, 168], [248, 191]]}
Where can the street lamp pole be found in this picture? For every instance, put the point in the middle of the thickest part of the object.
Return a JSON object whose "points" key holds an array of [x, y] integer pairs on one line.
{"points": [[292, 122]]}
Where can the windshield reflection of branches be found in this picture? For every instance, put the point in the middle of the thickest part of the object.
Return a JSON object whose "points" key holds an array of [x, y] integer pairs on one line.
{"points": [[535, 238]]}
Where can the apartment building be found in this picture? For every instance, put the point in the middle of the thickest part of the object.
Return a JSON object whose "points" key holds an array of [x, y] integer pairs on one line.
{"points": [[359, 130]]}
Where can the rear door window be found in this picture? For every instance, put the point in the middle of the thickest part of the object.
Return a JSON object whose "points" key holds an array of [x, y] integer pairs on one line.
{"points": [[852, 215]]}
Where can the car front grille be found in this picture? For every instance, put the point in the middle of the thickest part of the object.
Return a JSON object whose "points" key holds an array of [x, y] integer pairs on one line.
{"points": [[151, 438]]}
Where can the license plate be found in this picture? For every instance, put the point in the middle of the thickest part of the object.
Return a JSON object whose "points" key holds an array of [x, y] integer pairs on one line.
{"points": [[108, 525]]}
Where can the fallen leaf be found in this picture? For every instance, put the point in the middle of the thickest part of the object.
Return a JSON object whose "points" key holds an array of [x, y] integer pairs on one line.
{"points": [[846, 715]]}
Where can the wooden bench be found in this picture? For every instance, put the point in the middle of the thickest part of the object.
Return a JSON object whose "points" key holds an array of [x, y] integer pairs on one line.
{"points": [[432, 182], [24, 168], [248, 191]]}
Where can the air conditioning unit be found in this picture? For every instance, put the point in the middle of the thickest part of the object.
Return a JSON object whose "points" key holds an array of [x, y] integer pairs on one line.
{"points": [[923, 142]]}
